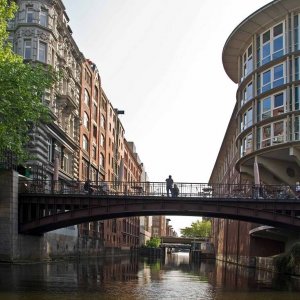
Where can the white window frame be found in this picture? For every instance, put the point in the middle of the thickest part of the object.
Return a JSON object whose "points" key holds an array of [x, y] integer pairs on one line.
{"points": [[264, 60], [43, 17], [273, 109], [272, 81], [272, 139], [27, 46], [42, 56], [248, 61], [29, 11]]}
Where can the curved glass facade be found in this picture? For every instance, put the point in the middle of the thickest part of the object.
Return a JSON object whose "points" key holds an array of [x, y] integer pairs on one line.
{"points": [[268, 95]]}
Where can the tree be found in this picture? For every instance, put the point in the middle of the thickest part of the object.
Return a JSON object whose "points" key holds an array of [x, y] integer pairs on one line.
{"points": [[22, 86], [154, 242], [198, 229]]}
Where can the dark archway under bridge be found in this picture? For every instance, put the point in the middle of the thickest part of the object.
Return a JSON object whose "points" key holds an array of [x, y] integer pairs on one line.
{"points": [[40, 212]]}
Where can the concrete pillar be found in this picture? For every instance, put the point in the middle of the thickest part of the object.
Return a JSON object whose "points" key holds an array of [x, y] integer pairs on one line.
{"points": [[15, 247]]}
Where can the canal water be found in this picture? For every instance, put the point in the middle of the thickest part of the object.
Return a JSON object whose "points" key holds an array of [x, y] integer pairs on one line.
{"points": [[142, 278]]}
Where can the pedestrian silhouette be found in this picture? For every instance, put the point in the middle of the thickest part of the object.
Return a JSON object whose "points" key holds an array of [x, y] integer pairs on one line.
{"points": [[169, 182], [175, 191]]}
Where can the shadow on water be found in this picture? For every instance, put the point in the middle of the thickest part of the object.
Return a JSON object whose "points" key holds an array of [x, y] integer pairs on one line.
{"points": [[143, 278]]}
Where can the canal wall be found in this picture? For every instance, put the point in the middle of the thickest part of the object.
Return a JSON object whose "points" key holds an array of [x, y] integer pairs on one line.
{"points": [[15, 247]]}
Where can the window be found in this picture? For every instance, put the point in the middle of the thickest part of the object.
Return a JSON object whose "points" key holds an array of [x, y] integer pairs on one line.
{"points": [[96, 94], [86, 98], [272, 134], [95, 132], [88, 77], [44, 17], [247, 93], [296, 32], [297, 97], [67, 163], [95, 111], [49, 149], [271, 78], [94, 152], [85, 170], [271, 44], [271, 106], [247, 120], [101, 160], [86, 120], [27, 49], [248, 62], [85, 143], [102, 121], [297, 68], [29, 15], [42, 51], [102, 140]]}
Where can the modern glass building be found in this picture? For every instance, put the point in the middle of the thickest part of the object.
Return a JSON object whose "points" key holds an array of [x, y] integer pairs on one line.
{"points": [[262, 141]]}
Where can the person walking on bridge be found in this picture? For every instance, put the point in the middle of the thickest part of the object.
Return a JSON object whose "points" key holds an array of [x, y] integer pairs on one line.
{"points": [[169, 182]]}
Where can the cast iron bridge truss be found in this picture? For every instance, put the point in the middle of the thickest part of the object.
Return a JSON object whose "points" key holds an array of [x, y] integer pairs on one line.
{"points": [[49, 205]]}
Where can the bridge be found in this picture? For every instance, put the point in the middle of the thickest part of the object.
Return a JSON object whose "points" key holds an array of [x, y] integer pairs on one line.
{"points": [[49, 205]]}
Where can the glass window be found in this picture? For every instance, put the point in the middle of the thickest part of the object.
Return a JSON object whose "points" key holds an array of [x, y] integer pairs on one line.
{"points": [[27, 49], [102, 121], [49, 148], [297, 68], [273, 105], [95, 108], [44, 17], [101, 160], [86, 120], [278, 104], [85, 143], [94, 152], [247, 61], [278, 76], [86, 97], [278, 132], [266, 136], [296, 32], [29, 15], [42, 51], [271, 44], [266, 81], [102, 140], [297, 97], [271, 78]]}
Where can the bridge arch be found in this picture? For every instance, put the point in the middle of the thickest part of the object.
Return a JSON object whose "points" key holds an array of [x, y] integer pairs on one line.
{"points": [[67, 210]]}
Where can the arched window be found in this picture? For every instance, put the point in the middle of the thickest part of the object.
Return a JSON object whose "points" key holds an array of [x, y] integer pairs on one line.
{"points": [[85, 143], [96, 94], [86, 120], [86, 97]]}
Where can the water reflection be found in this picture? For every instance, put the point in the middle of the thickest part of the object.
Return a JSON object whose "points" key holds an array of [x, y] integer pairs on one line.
{"points": [[142, 278]]}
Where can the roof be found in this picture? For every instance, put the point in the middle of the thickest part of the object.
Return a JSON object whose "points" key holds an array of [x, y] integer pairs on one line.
{"points": [[259, 21]]}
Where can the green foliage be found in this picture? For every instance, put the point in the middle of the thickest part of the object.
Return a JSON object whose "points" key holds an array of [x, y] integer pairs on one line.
{"points": [[286, 262], [154, 242], [21, 89], [198, 229]]}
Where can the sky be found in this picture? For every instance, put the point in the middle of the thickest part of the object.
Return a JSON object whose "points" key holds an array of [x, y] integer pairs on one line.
{"points": [[161, 62]]}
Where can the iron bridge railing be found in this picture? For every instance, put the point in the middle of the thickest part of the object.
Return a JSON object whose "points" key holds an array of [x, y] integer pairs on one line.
{"points": [[158, 189]]}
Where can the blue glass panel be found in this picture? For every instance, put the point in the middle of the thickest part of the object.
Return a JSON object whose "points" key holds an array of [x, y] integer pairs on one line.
{"points": [[278, 100], [266, 104], [278, 72], [266, 53], [266, 77], [266, 88], [278, 82], [278, 44]]}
